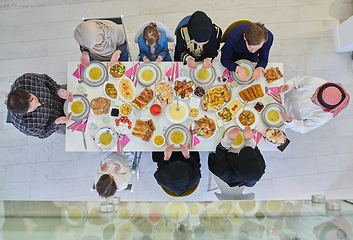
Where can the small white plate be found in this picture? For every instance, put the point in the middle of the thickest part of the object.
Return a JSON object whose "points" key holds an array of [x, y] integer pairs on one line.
{"points": [[104, 114], [120, 129], [144, 68], [116, 88]]}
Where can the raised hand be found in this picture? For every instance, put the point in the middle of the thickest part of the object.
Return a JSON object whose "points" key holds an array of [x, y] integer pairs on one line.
{"points": [[168, 152], [85, 59], [283, 88], [206, 64], [233, 133], [285, 117], [191, 63], [248, 133], [258, 72], [241, 72], [185, 151]]}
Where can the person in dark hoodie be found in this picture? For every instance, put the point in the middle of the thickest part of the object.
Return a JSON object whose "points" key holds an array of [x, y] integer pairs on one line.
{"points": [[237, 169], [198, 41], [177, 171]]}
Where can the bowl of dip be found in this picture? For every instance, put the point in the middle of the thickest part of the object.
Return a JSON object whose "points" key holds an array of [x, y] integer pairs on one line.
{"points": [[156, 109]]}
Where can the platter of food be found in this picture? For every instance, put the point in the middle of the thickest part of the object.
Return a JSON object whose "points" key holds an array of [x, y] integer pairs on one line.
{"points": [[271, 115], [105, 138], [238, 143], [230, 211], [205, 128], [163, 230], [273, 75], [108, 231], [126, 89], [125, 231], [249, 69], [143, 99], [177, 134], [248, 208], [76, 215], [174, 115], [118, 70], [172, 207], [216, 97], [79, 107], [123, 124], [183, 87], [110, 91], [164, 93], [248, 117], [251, 93], [275, 136], [142, 224], [100, 106], [216, 224], [148, 74], [229, 111], [95, 75], [144, 129], [203, 77]]}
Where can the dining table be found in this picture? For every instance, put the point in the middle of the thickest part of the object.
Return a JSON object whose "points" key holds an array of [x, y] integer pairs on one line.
{"points": [[74, 139]]}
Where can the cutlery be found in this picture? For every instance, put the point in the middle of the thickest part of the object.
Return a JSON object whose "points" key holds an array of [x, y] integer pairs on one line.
{"points": [[177, 108], [121, 137], [80, 80], [244, 106], [94, 139], [132, 73], [83, 122], [223, 77], [192, 139], [176, 214], [71, 125], [267, 90], [84, 138]]}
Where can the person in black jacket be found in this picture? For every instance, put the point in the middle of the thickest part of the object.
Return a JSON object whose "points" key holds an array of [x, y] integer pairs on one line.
{"points": [[197, 41], [177, 171], [237, 169]]}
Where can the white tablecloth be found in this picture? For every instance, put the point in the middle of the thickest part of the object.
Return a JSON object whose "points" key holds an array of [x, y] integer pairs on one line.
{"points": [[74, 141]]}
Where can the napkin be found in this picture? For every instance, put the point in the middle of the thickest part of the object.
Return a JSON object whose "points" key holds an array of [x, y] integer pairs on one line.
{"points": [[76, 74], [128, 73], [195, 142], [75, 124], [274, 90], [230, 79], [126, 140], [279, 101], [173, 69], [257, 136]]}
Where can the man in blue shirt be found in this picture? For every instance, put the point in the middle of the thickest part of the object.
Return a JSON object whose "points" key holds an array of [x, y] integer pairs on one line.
{"points": [[251, 41]]}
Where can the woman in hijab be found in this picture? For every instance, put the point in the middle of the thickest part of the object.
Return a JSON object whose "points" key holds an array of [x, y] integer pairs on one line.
{"points": [[237, 169], [177, 171], [311, 102], [101, 40], [199, 40]]}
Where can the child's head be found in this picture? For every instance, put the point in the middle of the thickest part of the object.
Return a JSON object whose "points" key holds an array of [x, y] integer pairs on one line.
{"points": [[150, 34], [106, 186]]}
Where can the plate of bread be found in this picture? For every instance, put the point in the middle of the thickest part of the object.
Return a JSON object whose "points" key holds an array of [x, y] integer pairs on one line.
{"points": [[100, 106], [144, 129], [272, 75], [251, 93], [143, 99], [164, 93]]}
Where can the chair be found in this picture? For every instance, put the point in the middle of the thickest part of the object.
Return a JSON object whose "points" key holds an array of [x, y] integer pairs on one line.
{"points": [[183, 21], [119, 21], [134, 169], [161, 28], [173, 194], [230, 27], [231, 193], [8, 117]]}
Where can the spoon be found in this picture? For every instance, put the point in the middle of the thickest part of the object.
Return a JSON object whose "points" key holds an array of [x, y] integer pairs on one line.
{"points": [[176, 214], [80, 80], [177, 108]]}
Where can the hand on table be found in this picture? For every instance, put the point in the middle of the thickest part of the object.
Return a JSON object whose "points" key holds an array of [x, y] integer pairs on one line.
{"points": [[283, 88], [233, 133], [85, 59], [258, 72], [168, 152], [191, 63], [104, 167], [62, 93], [61, 120], [114, 59], [241, 72], [248, 133], [285, 117], [145, 59], [159, 59], [206, 64], [117, 167], [185, 151]]}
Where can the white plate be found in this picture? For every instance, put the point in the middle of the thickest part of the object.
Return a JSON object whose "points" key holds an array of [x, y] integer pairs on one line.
{"points": [[154, 132], [183, 131], [117, 96], [154, 91], [206, 82], [251, 109], [119, 235], [273, 106], [75, 205], [180, 79], [105, 114], [175, 127], [248, 212], [92, 66], [113, 235], [181, 103], [227, 106], [121, 95], [224, 102], [269, 212], [76, 99], [110, 131], [236, 147], [179, 205], [163, 140], [149, 104], [201, 138], [256, 99], [118, 129], [147, 67]]}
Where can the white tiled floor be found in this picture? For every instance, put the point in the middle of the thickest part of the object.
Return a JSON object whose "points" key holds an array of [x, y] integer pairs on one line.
{"points": [[37, 36]]}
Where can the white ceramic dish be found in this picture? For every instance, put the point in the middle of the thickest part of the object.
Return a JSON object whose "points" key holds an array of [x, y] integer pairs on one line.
{"points": [[117, 95], [123, 127], [111, 132], [251, 109], [104, 114], [256, 99], [174, 105], [133, 93], [181, 79], [236, 147], [163, 140], [75, 206], [154, 132], [201, 138], [179, 206]]}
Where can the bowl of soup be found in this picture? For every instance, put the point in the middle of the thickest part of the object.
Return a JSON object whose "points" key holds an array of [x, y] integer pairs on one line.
{"points": [[105, 138], [159, 140], [177, 112]]}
